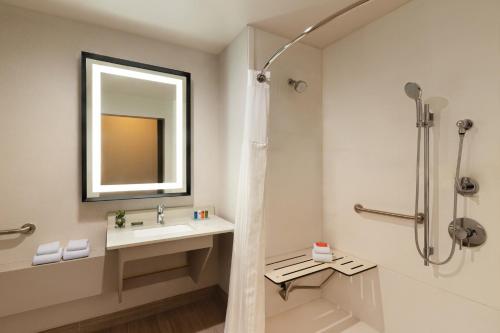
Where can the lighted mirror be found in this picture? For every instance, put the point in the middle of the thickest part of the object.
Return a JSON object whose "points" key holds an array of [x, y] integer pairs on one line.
{"points": [[135, 130]]}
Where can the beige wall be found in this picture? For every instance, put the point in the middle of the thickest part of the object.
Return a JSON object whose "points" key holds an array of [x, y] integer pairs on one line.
{"points": [[450, 47], [294, 166], [234, 62], [293, 185], [293, 204], [40, 164]]}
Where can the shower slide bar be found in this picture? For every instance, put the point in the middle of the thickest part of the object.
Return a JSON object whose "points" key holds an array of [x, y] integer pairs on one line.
{"points": [[27, 228], [360, 209]]}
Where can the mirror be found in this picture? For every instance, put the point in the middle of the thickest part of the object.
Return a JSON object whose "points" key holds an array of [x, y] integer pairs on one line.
{"points": [[135, 130]]}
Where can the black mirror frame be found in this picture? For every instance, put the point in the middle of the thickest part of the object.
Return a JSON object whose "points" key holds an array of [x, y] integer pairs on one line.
{"points": [[83, 91]]}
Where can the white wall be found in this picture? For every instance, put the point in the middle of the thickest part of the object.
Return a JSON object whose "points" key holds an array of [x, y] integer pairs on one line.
{"points": [[293, 203], [40, 150], [234, 62], [293, 192], [452, 48]]}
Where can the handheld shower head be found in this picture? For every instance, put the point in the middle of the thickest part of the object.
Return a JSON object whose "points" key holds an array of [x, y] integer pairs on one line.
{"points": [[413, 91]]}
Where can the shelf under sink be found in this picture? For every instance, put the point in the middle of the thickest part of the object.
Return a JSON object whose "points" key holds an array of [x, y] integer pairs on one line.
{"points": [[146, 239]]}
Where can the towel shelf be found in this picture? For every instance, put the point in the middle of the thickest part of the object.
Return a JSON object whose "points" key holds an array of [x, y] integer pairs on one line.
{"points": [[27, 228], [360, 209]]}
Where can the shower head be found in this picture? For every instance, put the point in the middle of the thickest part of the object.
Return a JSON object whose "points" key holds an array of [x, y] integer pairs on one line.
{"points": [[299, 86], [413, 91], [464, 125]]}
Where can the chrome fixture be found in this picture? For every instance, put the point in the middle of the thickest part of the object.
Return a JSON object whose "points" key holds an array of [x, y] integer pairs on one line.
{"points": [[424, 118], [360, 209], [464, 125], [467, 232], [299, 86], [27, 228], [160, 214], [467, 186], [261, 77], [457, 230]]}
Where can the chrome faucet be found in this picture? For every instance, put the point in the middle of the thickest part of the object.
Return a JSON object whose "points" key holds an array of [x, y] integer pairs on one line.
{"points": [[160, 214]]}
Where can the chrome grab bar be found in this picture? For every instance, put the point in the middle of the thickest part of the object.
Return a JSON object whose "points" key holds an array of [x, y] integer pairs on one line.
{"points": [[27, 228], [360, 209]]}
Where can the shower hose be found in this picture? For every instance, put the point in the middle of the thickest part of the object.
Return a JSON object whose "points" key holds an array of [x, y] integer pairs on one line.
{"points": [[455, 195]]}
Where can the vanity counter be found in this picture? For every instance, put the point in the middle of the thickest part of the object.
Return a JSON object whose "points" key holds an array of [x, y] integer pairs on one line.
{"points": [[143, 237], [175, 229]]}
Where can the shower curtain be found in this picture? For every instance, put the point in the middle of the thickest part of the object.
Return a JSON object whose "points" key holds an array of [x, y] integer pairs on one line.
{"points": [[245, 311]]}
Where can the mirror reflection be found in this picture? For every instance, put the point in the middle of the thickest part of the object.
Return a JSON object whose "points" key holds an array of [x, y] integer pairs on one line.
{"points": [[131, 150]]}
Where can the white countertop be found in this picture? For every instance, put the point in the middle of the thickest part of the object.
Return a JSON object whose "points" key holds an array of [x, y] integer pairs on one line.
{"points": [[174, 229]]}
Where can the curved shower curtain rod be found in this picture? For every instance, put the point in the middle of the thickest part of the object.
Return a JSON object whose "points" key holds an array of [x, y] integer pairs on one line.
{"points": [[261, 77]]}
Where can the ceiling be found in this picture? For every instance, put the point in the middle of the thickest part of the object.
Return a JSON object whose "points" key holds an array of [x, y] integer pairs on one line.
{"points": [[209, 25], [292, 24]]}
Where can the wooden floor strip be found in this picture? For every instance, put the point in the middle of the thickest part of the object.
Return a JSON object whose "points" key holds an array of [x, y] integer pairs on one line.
{"points": [[197, 311]]}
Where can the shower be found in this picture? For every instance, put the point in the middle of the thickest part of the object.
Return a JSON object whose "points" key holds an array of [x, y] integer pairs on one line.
{"points": [[299, 85], [414, 91], [464, 231]]}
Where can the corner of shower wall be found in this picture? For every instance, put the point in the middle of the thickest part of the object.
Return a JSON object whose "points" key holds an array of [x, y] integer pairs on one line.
{"points": [[293, 202], [234, 62]]}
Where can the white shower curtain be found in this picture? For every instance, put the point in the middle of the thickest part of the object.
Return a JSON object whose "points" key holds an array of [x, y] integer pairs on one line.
{"points": [[245, 311]]}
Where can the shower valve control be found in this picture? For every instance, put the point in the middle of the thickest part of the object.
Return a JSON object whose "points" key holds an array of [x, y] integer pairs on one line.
{"points": [[467, 186], [467, 232]]}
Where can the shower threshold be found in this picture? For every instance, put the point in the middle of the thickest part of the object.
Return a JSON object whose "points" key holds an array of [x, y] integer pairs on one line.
{"points": [[319, 315]]}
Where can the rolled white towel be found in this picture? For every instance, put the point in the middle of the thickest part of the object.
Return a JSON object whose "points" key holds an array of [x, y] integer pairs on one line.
{"points": [[69, 255], [320, 247], [48, 248], [47, 258], [322, 257], [77, 244]]}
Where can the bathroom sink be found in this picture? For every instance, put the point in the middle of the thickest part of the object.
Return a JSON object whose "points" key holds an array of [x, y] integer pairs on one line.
{"points": [[163, 230], [142, 228]]}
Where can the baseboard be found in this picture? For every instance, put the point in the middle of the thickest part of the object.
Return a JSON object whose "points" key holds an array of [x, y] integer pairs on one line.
{"points": [[142, 311]]}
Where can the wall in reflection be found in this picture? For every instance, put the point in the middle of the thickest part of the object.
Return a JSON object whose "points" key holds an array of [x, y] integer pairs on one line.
{"points": [[131, 151]]}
